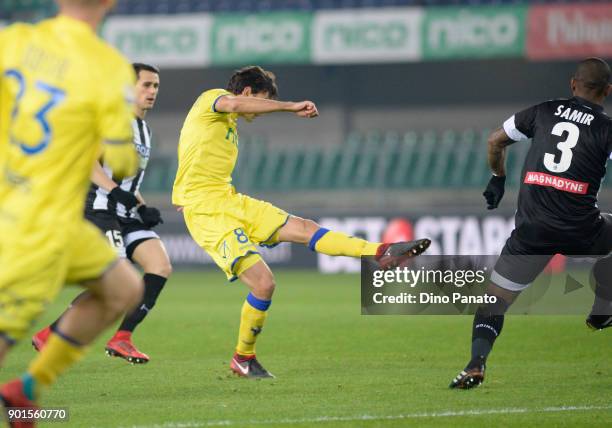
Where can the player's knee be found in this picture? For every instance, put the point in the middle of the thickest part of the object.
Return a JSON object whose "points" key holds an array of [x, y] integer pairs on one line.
{"points": [[161, 269], [126, 300], [264, 288], [122, 288], [166, 269]]}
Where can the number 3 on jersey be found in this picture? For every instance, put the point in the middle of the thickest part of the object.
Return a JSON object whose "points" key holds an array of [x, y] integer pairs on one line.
{"points": [[564, 146], [56, 97]]}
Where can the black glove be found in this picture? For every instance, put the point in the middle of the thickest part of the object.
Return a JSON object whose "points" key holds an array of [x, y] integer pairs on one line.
{"points": [[494, 191], [150, 216], [127, 199]]}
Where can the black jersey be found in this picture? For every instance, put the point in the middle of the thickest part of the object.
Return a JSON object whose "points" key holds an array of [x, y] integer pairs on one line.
{"points": [[97, 198], [563, 170]]}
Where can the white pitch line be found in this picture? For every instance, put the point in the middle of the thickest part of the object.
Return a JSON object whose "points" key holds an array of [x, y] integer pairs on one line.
{"points": [[323, 419]]}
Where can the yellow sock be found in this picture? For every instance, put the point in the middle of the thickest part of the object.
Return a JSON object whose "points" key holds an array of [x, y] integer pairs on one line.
{"points": [[57, 355], [252, 319], [340, 244]]}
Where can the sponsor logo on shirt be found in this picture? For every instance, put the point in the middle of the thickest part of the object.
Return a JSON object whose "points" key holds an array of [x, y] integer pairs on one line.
{"points": [[559, 183]]}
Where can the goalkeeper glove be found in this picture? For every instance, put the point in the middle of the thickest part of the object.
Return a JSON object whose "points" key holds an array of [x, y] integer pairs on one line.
{"points": [[494, 191], [150, 216], [121, 158], [127, 199]]}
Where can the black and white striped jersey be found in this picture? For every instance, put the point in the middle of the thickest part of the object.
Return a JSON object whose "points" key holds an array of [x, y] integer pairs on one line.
{"points": [[97, 198]]}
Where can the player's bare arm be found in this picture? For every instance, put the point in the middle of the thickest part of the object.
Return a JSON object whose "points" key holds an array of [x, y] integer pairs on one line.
{"points": [[100, 179], [140, 198], [115, 192], [497, 143], [496, 147], [247, 104]]}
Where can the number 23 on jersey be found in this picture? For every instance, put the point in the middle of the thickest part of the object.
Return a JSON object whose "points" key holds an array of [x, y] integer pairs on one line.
{"points": [[33, 103]]}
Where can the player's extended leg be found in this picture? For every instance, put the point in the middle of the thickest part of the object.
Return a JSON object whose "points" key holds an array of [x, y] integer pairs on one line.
{"points": [[514, 271], [152, 257], [601, 313], [260, 280], [40, 338], [333, 243], [107, 299], [486, 328]]}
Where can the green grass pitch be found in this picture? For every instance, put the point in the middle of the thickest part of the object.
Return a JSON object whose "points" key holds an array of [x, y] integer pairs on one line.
{"points": [[334, 367]]}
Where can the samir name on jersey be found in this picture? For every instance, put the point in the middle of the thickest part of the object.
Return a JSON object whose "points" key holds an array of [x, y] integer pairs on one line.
{"points": [[574, 115]]}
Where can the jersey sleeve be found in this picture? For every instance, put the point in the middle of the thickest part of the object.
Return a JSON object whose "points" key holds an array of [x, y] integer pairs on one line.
{"points": [[520, 126], [115, 105], [210, 98]]}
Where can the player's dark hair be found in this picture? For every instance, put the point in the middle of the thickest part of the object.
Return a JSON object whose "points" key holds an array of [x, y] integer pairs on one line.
{"points": [[257, 78], [139, 66], [593, 74]]}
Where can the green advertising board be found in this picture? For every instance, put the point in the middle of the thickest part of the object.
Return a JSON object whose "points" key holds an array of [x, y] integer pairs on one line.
{"points": [[177, 41], [346, 36], [367, 36], [474, 32], [281, 37]]}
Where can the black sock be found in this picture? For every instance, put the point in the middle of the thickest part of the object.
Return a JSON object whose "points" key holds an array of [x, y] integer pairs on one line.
{"points": [[602, 276], [153, 286], [487, 326]]}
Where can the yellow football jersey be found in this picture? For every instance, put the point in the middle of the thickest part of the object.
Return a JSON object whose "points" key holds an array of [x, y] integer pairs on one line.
{"points": [[63, 91], [207, 152]]}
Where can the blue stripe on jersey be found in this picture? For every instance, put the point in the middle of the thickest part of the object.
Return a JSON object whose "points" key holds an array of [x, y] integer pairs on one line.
{"points": [[214, 104]]}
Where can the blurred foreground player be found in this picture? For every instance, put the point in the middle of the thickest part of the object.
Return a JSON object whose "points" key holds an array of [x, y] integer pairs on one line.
{"points": [[227, 224], [557, 205], [112, 207], [63, 92]]}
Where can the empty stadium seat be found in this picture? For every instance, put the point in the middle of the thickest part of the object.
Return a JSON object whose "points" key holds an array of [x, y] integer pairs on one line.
{"points": [[36, 9], [375, 160]]}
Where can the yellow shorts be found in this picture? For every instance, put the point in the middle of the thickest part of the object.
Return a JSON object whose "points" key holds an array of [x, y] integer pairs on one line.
{"points": [[34, 267], [228, 228]]}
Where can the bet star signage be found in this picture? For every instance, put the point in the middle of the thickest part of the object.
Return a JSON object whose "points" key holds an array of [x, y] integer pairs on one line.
{"points": [[450, 235]]}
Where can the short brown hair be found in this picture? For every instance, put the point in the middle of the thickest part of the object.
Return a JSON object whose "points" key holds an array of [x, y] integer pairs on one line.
{"points": [[258, 79]]}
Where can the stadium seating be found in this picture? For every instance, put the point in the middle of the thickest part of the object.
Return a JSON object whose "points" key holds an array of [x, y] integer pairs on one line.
{"points": [[35, 9], [375, 160], [246, 6]]}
